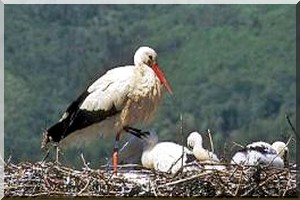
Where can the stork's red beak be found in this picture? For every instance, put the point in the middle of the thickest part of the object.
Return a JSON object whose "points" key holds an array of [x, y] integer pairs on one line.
{"points": [[162, 78]]}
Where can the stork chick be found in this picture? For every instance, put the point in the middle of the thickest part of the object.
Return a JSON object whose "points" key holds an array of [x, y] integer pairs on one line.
{"points": [[162, 156], [262, 153], [195, 142]]}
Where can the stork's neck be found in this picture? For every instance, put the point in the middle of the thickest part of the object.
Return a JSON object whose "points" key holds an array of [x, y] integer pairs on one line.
{"points": [[198, 143], [142, 67], [201, 153], [147, 81]]}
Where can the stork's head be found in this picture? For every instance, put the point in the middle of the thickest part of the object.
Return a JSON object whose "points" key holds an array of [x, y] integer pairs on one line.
{"points": [[147, 56], [194, 139], [281, 149]]}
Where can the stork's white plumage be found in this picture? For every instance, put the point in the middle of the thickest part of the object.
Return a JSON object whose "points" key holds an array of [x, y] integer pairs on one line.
{"points": [[122, 97], [261, 153], [162, 156], [195, 142]]}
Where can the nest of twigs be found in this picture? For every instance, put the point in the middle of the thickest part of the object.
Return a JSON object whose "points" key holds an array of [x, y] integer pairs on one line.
{"points": [[50, 179]]}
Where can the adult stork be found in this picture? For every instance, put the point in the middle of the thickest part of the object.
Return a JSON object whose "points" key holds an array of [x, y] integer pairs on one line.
{"points": [[262, 153], [122, 97]]}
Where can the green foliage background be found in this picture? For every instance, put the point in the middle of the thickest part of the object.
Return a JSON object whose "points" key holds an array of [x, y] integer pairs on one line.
{"points": [[232, 67]]}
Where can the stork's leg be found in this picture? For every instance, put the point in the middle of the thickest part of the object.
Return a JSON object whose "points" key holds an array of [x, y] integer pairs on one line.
{"points": [[115, 153], [46, 155], [57, 154]]}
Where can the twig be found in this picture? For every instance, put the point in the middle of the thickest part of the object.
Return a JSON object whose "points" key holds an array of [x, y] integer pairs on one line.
{"points": [[182, 143], [173, 164], [35, 179], [237, 144], [291, 125], [40, 194], [9, 159], [239, 185], [211, 141], [84, 162], [46, 155], [235, 169], [131, 165], [287, 184], [224, 186], [153, 188], [183, 180], [84, 188]]}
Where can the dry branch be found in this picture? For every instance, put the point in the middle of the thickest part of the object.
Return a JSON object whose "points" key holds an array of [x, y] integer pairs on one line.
{"points": [[44, 179]]}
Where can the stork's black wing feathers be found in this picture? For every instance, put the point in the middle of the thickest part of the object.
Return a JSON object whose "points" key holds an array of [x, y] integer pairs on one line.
{"points": [[56, 132], [260, 149], [85, 118], [75, 119]]}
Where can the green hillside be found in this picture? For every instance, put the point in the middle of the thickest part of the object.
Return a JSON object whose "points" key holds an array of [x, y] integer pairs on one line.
{"points": [[232, 68]]}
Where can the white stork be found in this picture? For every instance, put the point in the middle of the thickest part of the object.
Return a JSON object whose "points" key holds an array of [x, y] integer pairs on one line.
{"points": [[208, 159], [262, 153], [122, 97], [194, 141], [165, 157]]}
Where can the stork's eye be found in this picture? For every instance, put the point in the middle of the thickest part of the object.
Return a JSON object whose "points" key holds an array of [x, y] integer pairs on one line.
{"points": [[190, 144], [150, 57]]}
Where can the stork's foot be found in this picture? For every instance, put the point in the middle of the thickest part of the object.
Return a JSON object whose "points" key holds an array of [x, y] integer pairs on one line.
{"points": [[136, 132], [129, 128]]}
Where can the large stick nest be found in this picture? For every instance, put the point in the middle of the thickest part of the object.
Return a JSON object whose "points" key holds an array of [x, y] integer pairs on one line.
{"points": [[44, 179]]}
